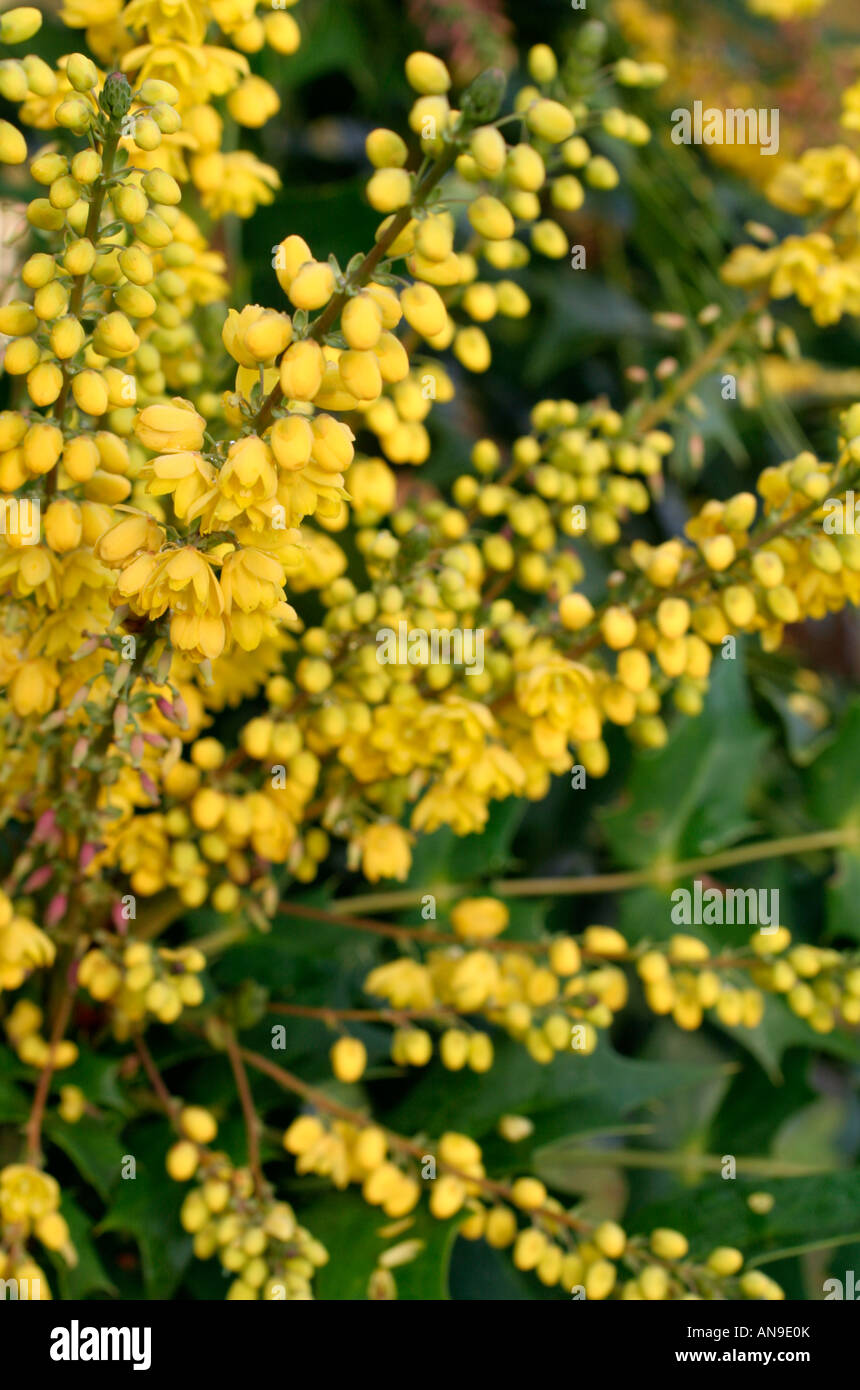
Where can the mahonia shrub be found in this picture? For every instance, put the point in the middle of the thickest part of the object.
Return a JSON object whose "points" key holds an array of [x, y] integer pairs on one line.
{"points": [[330, 589]]}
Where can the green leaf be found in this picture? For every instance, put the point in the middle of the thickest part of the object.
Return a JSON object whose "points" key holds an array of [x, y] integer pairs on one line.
{"points": [[841, 895], [444, 857], [93, 1147], [692, 797], [89, 1275], [834, 799], [146, 1208], [611, 1085], [805, 1209], [834, 794], [98, 1077], [350, 1231], [779, 1030]]}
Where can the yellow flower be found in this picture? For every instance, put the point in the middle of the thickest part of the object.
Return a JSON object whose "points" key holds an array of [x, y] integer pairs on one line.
{"points": [[81, 14], [178, 19], [479, 919], [170, 428], [255, 335], [385, 852], [187, 477], [23, 947], [237, 182]]}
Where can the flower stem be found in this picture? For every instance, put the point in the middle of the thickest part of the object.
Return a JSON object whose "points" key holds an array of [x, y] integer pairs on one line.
{"points": [[658, 875]]}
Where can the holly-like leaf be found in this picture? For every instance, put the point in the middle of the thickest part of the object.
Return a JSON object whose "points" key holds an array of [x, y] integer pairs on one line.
{"points": [[146, 1207], [692, 797], [93, 1147], [517, 1084], [350, 1230]]}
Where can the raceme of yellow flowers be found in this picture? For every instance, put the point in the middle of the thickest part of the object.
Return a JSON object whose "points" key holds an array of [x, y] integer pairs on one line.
{"points": [[178, 526]]}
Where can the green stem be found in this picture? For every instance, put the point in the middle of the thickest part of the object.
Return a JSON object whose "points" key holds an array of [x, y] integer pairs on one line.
{"points": [[830, 1244], [658, 875], [76, 299], [362, 274], [674, 1161]]}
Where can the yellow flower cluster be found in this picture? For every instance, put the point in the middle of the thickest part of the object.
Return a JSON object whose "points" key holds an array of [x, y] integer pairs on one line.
{"points": [[143, 980], [167, 519], [255, 1237], [22, 1025], [554, 997], [548, 1242], [29, 1208]]}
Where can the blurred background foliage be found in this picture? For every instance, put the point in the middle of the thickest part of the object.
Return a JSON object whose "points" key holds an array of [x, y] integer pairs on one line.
{"points": [[641, 1126]]}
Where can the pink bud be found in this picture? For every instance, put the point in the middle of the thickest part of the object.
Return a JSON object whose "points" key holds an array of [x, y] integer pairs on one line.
{"points": [[155, 740], [56, 909], [119, 921], [86, 649], [182, 711], [670, 320], [166, 709], [149, 786], [120, 677], [87, 854], [44, 827], [80, 750], [137, 746], [38, 878], [80, 695], [162, 670]]}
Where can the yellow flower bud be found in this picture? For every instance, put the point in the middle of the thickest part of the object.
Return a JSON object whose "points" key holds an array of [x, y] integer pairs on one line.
{"points": [[170, 429], [153, 90], [20, 24], [348, 1059], [725, 1261], [13, 146], [198, 1124], [81, 72], [424, 309], [75, 114], [388, 190], [301, 370], [159, 187], [550, 120], [80, 459], [312, 286], [360, 374], [63, 525], [332, 443], [182, 1161], [427, 74], [253, 102], [604, 941], [491, 219], [67, 337], [43, 444], [385, 149], [668, 1244], [361, 322], [90, 392], [86, 166], [282, 32], [718, 552], [44, 382], [21, 356]]}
